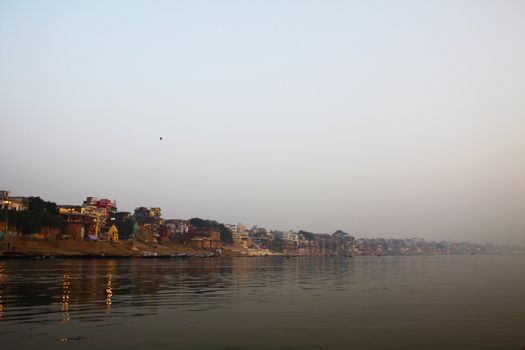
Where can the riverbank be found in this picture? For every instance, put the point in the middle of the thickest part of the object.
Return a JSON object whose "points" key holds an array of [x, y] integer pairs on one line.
{"points": [[23, 248]]}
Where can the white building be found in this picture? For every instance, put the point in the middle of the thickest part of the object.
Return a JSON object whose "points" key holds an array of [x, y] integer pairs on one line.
{"points": [[291, 236]]}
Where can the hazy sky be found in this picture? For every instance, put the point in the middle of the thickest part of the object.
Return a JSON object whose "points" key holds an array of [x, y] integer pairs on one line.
{"points": [[382, 118]]}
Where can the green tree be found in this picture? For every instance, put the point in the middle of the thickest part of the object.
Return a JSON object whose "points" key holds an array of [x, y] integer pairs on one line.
{"points": [[40, 213], [125, 225], [310, 236]]}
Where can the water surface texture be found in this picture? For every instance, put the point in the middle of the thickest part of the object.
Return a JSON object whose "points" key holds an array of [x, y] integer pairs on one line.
{"points": [[420, 302]]}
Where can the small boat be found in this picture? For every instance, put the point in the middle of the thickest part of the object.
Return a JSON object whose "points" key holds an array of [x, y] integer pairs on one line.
{"points": [[149, 255]]}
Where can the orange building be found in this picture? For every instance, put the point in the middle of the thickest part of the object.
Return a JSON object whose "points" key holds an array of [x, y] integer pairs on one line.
{"points": [[205, 238]]}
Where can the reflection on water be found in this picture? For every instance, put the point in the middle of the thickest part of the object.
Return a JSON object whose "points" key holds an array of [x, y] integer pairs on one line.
{"points": [[470, 302], [66, 293], [2, 281], [109, 289]]}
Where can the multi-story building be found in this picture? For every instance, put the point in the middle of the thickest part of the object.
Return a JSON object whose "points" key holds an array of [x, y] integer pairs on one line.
{"points": [[88, 220], [242, 239], [99, 211], [89, 208], [241, 227], [76, 221], [291, 236], [13, 203], [206, 238], [178, 229], [150, 223], [107, 206]]}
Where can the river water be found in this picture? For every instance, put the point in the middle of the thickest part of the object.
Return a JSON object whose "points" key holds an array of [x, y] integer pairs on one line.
{"points": [[419, 302]]}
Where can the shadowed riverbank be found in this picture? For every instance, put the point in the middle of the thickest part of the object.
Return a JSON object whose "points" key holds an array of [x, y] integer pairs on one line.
{"points": [[26, 248]]}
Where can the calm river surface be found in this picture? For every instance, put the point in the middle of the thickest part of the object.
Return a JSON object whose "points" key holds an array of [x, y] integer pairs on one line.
{"points": [[420, 302]]}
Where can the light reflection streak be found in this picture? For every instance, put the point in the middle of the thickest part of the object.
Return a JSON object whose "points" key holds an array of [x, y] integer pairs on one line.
{"points": [[2, 281], [66, 294], [109, 285]]}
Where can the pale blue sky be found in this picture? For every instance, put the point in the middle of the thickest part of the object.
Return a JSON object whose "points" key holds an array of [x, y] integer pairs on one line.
{"points": [[391, 118]]}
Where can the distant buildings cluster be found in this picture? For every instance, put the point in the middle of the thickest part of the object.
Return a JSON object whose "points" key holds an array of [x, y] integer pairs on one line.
{"points": [[260, 241], [99, 220], [93, 219]]}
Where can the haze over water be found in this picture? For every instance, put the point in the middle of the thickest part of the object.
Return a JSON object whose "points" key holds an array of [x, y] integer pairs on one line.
{"points": [[416, 302]]}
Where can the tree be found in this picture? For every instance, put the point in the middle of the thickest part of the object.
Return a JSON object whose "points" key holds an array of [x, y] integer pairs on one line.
{"points": [[37, 204], [309, 236], [125, 225], [40, 214], [340, 233]]}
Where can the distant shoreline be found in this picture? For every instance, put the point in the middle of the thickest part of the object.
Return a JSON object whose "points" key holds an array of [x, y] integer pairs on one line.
{"points": [[41, 249], [174, 255]]}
